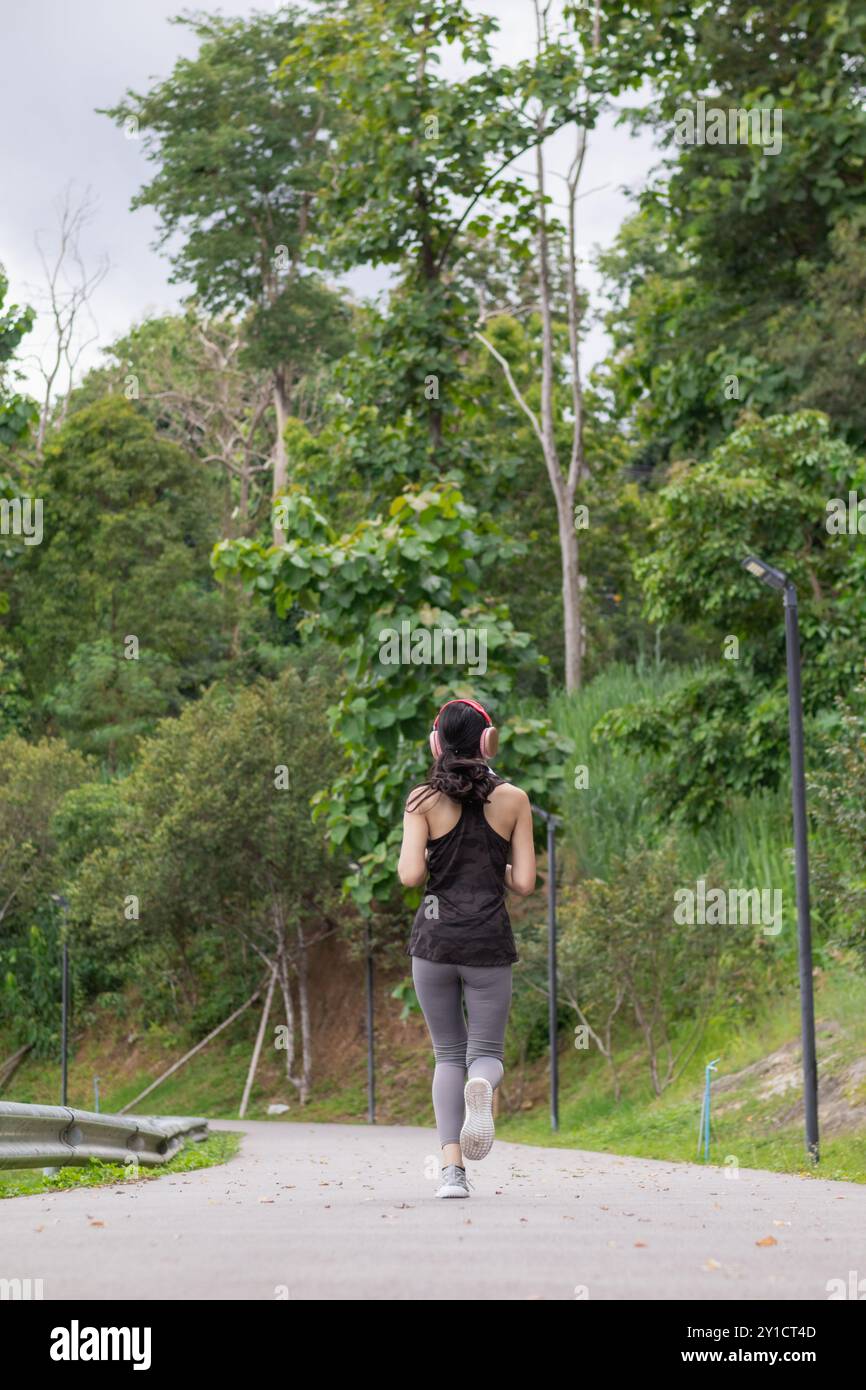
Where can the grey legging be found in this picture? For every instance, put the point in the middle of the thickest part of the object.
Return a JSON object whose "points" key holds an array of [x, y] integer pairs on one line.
{"points": [[487, 991]]}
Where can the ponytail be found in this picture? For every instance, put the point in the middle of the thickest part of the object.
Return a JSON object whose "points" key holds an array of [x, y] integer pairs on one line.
{"points": [[457, 776]]}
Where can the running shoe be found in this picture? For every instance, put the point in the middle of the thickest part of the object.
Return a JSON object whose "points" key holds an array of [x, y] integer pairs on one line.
{"points": [[477, 1134], [454, 1182]]}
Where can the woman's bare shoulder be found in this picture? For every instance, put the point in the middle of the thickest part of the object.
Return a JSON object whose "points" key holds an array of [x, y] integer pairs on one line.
{"points": [[422, 799], [508, 793]]}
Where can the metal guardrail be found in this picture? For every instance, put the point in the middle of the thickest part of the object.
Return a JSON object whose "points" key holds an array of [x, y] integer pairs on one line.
{"points": [[55, 1136]]}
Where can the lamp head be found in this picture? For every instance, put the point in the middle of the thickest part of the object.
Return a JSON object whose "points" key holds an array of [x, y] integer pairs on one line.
{"points": [[767, 574]]}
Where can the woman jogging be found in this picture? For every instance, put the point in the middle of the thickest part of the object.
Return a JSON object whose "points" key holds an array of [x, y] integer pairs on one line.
{"points": [[471, 832]]}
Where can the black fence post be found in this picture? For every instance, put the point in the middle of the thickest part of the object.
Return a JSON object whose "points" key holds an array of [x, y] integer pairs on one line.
{"points": [[63, 903], [371, 1054]]}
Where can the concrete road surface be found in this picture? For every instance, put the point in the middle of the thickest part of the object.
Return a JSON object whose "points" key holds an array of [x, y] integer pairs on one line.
{"points": [[315, 1211]]}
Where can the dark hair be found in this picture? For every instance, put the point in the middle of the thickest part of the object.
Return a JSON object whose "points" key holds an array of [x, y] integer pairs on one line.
{"points": [[460, 771]]}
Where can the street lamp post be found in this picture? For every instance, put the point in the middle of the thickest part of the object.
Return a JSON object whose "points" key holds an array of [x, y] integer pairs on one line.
{"points": [[552, 822], [776, 579]]}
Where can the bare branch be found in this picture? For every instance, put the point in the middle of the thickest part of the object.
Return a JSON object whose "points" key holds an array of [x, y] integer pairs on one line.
{"points": [[67, 293], [515, 389]]}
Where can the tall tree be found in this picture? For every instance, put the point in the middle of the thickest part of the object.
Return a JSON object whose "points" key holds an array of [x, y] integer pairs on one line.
{"points": [[214, 838], [237, 156], [444, 149], [440, 146], [17, 411], [551, 50], [784, 482], [114, 614], [736, 226], [188, 373]]}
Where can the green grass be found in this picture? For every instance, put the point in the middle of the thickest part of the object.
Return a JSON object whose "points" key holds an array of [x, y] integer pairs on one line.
{"points": [[616, 808], [219, 1147], [751, 843], [210, 1084], [749, 1130]]}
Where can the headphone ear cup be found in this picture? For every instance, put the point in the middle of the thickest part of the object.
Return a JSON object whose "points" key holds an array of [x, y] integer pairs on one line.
{"points": [[489, 742], [435, 745]]}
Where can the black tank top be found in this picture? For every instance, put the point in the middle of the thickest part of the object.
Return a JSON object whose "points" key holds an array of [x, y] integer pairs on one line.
{"points": [[463, 919]]}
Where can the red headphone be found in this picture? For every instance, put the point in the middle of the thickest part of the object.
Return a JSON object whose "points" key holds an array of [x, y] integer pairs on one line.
{"points": [[489, 736]]}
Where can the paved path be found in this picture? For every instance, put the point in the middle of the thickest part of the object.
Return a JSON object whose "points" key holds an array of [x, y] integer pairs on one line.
{"points": [[347, 1212]]}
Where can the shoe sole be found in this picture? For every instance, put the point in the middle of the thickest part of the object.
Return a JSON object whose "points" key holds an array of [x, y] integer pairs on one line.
{"points": [[477, 1134], [452, 1191]]}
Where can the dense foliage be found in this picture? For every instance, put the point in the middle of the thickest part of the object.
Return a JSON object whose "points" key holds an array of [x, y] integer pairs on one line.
{"points": [[262, 515]]}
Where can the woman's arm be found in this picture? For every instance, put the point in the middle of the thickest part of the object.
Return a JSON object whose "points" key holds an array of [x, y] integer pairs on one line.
{"points": [[520, 873], [412, 864]]}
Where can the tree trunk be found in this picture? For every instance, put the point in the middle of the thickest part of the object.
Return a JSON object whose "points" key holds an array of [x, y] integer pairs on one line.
{"points": [[571, 597], [563, 489], [286, 991], [281, 459], [306, 1032]]}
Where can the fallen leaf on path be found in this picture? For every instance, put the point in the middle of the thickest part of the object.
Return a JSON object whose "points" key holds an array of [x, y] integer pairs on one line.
{"points": [[712, 1264], [97, 1223], [768, 1240]]}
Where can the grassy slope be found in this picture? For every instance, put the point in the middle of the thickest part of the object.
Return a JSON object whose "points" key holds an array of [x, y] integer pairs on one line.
{"points": [[757, 1113], [757, 1116]]}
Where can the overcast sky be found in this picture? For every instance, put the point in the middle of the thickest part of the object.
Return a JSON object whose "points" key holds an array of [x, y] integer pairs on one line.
{"points": [[65, 58]]}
